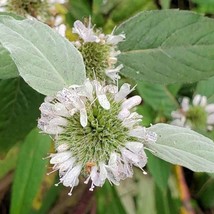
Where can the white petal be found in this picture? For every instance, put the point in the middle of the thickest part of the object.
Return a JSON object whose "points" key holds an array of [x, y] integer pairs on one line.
{"points": [[139, 132], [103, 101], [95, 177], [83, 117], [112, 74], [71, 178], [151, 137], [62, 147], [185, 104], [123, 92], [60, 157], [210, 119], [133, 119], [61, 110], [101, 95], [111, 89], [203, 102], [139, 160], [103, 172], [115, 39], [89, 89], [65, 166], [130, 155], [86, 33], [55, 130], [196, 100], [210, 108], [131, 102], [114, 70], [124, 113], [58, 121], [134, 146], [61, 29], [46, 108]]}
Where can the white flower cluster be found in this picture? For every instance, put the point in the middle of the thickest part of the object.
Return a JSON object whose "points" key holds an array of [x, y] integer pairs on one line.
{"points": [[115, 134], [188, 113], [20, 7], [88, 35]]}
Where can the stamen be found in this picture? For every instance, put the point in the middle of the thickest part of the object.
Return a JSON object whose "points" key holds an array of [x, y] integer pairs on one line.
{"points": [[49, 156], [70, 193], [52, 172], [57, 184], [92, 187], [144, 172], [87, 180]]}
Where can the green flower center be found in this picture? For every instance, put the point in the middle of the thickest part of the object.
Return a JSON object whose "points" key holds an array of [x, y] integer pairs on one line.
{"points": [[197, 115], [103, 134], [95, 56]]}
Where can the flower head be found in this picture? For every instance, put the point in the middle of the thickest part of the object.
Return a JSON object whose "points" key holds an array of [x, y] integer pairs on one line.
{"points": [[198, 114], [29, 8], [99, 51], [43, 10], [97, 133]]}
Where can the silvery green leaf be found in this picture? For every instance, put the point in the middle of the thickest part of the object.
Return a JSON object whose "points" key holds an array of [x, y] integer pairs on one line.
{"points": [[184, 147], [46, 61], [8, 68]]}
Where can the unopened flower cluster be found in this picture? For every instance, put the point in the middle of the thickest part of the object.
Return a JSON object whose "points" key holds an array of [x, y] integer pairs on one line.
{"points": [[197, 114], [97, 133]]}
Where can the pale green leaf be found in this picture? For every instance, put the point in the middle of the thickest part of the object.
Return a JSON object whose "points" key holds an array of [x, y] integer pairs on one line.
{"points": [[7, 66], [30, 172], [183, 147], [160, 47], [47, 61]]}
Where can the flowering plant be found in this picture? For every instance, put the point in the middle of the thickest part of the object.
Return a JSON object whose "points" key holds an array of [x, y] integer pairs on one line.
{"points": [[104, 103]]}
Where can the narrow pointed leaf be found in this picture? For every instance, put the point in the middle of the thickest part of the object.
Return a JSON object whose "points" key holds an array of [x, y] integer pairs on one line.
{"points": [[8, 68], [183, 147], [30, 172]]}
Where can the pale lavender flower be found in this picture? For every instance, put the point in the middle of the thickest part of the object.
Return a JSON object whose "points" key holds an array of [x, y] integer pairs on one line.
{"points": [[97, 133], [198, 113]]}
